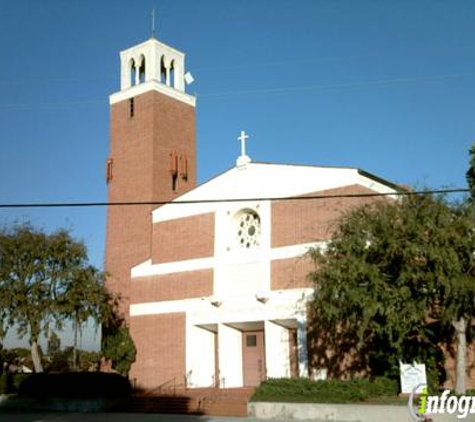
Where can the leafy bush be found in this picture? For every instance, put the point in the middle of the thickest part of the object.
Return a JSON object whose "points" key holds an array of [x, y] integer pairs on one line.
{"points": [[75, 385], [118, 346], [4, 384], [10, 383], [329, 391]]}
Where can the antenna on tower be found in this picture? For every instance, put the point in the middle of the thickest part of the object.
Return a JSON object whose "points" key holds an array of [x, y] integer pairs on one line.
{"points": [[153, 22]]}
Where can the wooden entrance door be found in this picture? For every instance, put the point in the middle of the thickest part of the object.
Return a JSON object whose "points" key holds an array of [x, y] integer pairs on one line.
{"points": [[253, 357]]}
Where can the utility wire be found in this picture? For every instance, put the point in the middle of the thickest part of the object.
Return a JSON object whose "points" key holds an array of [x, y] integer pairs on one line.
{"points": [[218, 201], [253, 65], [265, 91], [351, 85]]}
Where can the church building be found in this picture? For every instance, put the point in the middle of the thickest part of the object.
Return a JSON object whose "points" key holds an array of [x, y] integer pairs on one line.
{"points": [[212, 277]]}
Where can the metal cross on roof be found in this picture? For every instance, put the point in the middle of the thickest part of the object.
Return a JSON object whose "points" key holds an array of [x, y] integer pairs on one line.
{"points": [[243, 159]]}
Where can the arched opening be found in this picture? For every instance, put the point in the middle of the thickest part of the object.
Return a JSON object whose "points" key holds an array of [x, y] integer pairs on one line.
{"points": [[142, 70], [163, 70], [172, 74], [132, 72]]}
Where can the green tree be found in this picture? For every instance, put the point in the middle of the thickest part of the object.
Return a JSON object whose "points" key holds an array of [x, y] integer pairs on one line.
{"points": [[118, 346], [54, 344], [36, 270], [471, 172], [395, 277], [116, 343], [89, 360], [84, 297], [2, 359], [18, 356]]}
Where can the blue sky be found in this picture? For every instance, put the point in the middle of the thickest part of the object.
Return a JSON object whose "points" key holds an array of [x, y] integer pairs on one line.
{"points": [[386, 86]]}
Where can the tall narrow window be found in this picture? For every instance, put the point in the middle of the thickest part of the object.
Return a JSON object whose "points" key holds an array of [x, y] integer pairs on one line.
{"points": [[131, 107], [184, 167], [174, 168], [109, 170]]}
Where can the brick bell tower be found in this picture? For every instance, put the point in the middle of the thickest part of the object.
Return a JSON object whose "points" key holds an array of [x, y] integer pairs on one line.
{"points": [[152, 154]]}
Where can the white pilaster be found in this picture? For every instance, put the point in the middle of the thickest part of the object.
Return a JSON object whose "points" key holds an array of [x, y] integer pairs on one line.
{"points": [[277, 350], [200, 365], [302, 346], [230, 356], [167, 76], [179, 77], [137, 73]]}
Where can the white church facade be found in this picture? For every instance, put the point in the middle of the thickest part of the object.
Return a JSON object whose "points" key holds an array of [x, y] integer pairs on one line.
{"points": [[213, 277]]}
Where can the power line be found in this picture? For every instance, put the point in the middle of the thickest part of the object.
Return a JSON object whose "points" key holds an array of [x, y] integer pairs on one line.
{"points": [[218, 201], [253, 65], [268, 91], [54, 105], [315, 88]]}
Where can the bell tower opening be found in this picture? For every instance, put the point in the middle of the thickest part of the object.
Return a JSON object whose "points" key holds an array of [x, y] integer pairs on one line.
{"points": [[131, 71], [172, 74], [152, 119], [142, 70]]}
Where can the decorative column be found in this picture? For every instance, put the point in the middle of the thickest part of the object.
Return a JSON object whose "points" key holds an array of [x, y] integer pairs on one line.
{"points": [[167, 73], [137, 73]]}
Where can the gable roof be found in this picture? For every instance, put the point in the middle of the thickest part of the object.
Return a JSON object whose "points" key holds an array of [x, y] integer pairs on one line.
{"points": [[257, 181]]}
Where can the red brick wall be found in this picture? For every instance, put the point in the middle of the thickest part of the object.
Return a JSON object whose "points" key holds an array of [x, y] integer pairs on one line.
{"points": [[139, 148], [303, 221], [172, 286], [183, 238], [290, 273], [160, 343]]}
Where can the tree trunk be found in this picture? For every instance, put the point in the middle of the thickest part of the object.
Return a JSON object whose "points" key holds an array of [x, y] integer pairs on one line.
{"points": [[75, 345], [35, 356], [461, 362]]}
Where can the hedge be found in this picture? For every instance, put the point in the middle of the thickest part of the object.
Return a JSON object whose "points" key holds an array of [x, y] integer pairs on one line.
{"points": [[75, 385], [9, 383], [328, 391]]}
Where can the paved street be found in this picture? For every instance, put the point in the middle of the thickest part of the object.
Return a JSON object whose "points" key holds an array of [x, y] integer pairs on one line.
{"points": [[114, 417], [109, 417]]}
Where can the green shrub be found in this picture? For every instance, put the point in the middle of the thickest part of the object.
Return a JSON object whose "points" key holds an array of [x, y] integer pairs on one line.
{"points": [[75, 385], [10, 383], [4, 384], [329, 391]]}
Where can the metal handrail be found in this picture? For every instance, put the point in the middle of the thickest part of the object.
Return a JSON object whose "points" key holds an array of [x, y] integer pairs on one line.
{"points": [[171, 384], [217, 382], [162, 387], [187, 377]]}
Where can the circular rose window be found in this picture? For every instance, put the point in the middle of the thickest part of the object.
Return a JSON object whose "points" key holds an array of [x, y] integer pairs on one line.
{"points": [[248, 229]]}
